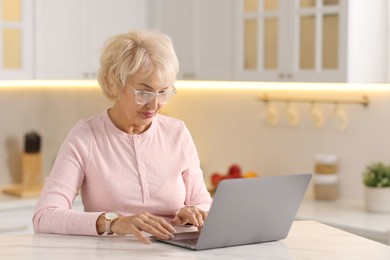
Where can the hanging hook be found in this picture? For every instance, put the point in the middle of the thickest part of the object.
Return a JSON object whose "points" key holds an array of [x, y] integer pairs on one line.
{"points": [[292, 114], [271, 115], [340, 117], [317, 116]]}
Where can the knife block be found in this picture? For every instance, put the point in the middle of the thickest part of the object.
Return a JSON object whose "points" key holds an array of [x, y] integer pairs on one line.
{"points": [[31, 169], [31, 183]]}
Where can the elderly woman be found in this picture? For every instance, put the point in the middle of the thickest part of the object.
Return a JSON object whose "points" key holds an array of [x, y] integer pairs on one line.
{"points": [[136, 170]]}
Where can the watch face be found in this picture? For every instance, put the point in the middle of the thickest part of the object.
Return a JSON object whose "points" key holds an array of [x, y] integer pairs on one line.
{"points": [[111, 215]]}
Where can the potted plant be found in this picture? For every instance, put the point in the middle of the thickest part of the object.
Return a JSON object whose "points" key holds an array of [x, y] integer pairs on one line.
{"points": [[376, 178]]}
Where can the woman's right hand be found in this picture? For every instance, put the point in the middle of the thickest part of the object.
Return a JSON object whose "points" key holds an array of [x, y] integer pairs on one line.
{"points": [[146, 222]]}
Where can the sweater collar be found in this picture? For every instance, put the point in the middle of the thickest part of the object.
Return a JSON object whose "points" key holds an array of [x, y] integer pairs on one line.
{"points": [[113, 129]]}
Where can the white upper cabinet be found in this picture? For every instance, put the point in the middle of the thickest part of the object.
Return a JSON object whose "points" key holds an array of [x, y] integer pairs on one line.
{"points": [[202, 34], [294, 40], [16, 52], [310, 40], [71, 33], [277, 40], [261, 40], [367, 57]]}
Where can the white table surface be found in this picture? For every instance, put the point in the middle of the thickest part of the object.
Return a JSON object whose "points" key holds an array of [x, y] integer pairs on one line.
{"points": [[348, 215], [306, 240]]}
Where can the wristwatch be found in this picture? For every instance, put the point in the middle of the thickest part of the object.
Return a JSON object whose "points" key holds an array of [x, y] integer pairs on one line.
{"points": [[110, 217]]}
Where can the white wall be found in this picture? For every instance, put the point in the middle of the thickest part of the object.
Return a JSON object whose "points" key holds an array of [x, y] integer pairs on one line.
{"points": [[227, 128], [225, 124], [50, 112]]}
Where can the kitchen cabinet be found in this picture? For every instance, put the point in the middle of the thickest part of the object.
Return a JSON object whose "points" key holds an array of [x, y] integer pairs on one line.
{"points": [[277, 40], [15, 39], [261, 40], [202, 34], [70, 34], [310, 40], [291, 40]]}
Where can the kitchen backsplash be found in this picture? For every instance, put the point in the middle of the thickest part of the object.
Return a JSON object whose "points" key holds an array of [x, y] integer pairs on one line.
{"points": [[50, 112], [227, 126]]}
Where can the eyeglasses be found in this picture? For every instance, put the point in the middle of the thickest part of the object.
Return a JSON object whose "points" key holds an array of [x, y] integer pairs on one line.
{"points": [[143, 97]]}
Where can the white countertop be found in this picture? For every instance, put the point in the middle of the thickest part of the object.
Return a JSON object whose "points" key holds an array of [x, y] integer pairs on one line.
{"points": [[343, 214], [16, 214], [347, 215], [8, 202], [306, 240]]}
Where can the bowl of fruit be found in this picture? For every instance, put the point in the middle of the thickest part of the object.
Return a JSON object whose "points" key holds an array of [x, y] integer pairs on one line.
{"points": [[234, 171]]}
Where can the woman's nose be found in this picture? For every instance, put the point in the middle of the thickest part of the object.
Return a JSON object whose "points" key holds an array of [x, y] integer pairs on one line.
{"points": [[153, 103]]}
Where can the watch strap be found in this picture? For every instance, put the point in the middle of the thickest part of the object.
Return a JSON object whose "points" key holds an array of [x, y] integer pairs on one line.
{"points": [[108, 222]]}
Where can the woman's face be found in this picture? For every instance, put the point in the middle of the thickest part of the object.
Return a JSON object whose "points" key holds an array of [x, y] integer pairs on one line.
{"points": [[138, 105]]}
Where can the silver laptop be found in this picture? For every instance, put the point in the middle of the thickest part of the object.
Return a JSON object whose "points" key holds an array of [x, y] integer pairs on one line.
{"points": [[247, 211]]}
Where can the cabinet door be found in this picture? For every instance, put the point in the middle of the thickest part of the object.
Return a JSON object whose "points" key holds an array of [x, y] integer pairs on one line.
{"points": [[106, 18], [294, 40], [71, 33], [201, 31], [213, 55], [60, 39], [261, 40], [318, 40], [176, 18], [15, 39]]}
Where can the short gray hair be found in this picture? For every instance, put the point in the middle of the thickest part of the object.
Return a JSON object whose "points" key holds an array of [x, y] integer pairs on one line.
{"points": [[136, 53]]}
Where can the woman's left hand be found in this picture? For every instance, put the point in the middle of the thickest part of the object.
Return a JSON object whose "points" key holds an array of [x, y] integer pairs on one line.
{"points": [[190, 215]]}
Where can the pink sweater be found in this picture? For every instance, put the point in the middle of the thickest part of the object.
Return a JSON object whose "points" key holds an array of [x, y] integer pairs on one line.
{"points": [[157, 171]]}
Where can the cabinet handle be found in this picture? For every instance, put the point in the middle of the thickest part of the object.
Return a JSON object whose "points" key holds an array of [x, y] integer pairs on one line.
{"points": [[287, 76], [89, 75], [188, 75]]}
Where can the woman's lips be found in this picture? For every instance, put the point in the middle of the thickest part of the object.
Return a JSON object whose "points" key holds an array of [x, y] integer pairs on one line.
{"points": [[147, 114]]}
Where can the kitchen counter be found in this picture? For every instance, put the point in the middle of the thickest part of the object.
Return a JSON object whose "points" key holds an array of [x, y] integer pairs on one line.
{"points": [[349, 216], [8, 202], [306, 240], [346, 215], [16, 214]]}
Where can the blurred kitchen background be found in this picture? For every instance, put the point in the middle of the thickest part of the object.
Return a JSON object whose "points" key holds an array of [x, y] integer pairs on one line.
{"points": [[325, 61]]}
